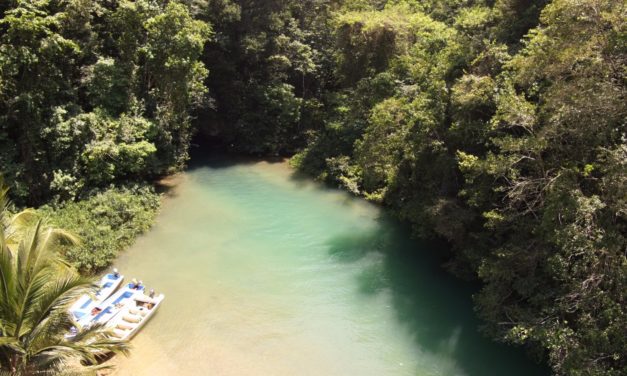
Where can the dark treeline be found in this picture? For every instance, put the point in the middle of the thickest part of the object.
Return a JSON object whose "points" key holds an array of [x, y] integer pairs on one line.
{"points": [[497, 125]]}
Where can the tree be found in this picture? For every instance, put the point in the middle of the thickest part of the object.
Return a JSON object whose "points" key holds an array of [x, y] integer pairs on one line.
{"points": [[93, 93], [554, 265], [174, 77], [36, 289], [36, 71]]}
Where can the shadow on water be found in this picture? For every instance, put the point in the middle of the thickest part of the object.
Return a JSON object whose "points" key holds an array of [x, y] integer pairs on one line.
{"points": [[431, 304], [200, 158], [166, 186]]}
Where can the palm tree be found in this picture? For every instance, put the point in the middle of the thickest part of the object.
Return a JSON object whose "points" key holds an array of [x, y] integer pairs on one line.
{"points": [[36, 288]]}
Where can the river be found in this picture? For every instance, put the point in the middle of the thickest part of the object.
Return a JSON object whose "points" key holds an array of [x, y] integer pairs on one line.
{"points": [[267, 273]]}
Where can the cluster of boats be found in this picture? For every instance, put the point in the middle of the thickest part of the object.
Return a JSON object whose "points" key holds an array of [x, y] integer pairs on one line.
{"points": [[124, 311]]}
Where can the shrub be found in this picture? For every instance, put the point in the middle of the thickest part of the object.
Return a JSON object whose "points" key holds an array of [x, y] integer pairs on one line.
{"points": [[107, 221]]}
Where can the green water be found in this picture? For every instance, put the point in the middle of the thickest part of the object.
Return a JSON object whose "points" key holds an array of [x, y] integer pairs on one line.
{"points": [[268, 274]]}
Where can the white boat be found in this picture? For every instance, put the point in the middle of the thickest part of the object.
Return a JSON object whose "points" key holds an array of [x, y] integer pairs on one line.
{"points": [[86, 303], [134, 316], [106, 310]]}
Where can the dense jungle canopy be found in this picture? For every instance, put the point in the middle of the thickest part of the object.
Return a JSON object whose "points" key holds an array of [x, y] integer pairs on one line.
{"points": [[496, 125]]}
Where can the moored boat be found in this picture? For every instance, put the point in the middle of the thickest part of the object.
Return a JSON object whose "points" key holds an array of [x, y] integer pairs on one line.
{"points": [[134, 316], [106, 310], [106, 286]]}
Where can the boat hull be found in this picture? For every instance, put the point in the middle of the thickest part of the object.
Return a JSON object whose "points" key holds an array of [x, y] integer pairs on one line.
{"points": [[134, 316]]}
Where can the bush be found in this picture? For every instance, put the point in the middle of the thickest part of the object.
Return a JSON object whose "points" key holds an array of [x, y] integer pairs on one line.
{"points": [[107, 222]]}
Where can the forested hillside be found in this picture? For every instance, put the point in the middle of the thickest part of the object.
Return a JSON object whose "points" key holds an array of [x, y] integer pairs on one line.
{"points": [[497, 125]]}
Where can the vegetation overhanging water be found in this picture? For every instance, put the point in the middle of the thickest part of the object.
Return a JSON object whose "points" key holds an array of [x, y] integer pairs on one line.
{"points": [[498, 126], [266, 273]]}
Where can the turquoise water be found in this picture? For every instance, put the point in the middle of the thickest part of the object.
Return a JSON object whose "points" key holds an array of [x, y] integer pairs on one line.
{"points": [[268, 274]]}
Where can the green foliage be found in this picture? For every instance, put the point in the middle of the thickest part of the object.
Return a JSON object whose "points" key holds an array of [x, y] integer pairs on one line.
{"points": [[539, 179], [278, 103], [94, 94], [174, 77], [107, 85], [36, 66], [266, 55], [107, 222], [385, 143], [36, 290], [93, 149]]}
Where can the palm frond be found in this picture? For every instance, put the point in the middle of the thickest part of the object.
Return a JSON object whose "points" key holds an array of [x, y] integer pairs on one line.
{"points": [[8, 341], [36, 289]]}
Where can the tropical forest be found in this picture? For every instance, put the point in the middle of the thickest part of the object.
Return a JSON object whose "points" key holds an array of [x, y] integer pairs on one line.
{"points": [[313, 187]]}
